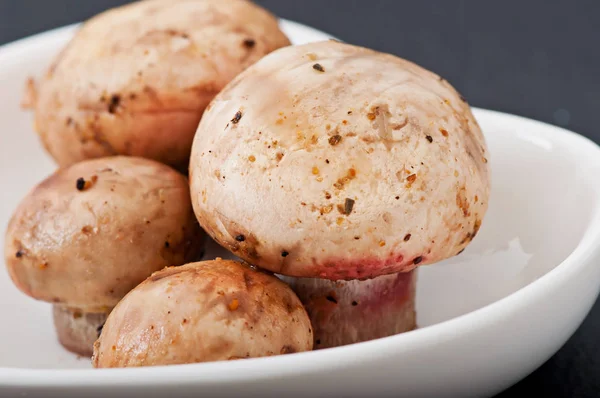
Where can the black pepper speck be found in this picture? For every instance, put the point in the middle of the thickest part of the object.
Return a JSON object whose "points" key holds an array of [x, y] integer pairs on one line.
{"points": [[80, 184], [318, 67], [236, 117]]}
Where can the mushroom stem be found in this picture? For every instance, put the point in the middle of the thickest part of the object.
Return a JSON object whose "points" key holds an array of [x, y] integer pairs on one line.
{"points": [[77, 330], [347, 312]]}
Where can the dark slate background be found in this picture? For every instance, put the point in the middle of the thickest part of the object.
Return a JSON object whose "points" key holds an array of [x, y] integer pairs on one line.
{"points": [[535, 58]]}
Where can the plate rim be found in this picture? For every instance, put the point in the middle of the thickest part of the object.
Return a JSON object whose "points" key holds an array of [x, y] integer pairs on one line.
{"points": [[315, 361]]}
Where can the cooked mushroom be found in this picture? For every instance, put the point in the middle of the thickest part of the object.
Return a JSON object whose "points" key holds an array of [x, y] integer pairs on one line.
{"points": [[89, 233], [206, 311], [343, 163], [136, 79]]}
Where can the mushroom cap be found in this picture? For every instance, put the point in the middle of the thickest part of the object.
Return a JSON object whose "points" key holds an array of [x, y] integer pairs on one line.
{"points": [[339, 162], [206, 311], [135, 79], [89, 233]]}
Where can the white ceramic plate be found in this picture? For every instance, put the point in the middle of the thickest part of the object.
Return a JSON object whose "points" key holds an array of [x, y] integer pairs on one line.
{"points": [[486, 318]]}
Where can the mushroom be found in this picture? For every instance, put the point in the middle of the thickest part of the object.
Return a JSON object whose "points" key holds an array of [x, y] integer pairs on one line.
{"points": [[89, 233], [135, 80], [205, 311], [338, 163]]}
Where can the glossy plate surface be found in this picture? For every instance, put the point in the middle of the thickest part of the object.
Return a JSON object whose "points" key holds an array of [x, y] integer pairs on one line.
{"points": [[486, 318]]}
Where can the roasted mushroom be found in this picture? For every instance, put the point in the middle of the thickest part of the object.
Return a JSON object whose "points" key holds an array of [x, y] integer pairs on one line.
{"points": [[338, 162], [206, 311], [136, 79], [89, 233]]}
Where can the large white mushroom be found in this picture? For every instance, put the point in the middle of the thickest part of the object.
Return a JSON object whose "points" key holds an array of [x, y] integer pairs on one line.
{"points": [[335, 162]]}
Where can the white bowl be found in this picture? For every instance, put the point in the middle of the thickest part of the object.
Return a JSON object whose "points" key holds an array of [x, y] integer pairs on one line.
{"points": [[486, 318]]}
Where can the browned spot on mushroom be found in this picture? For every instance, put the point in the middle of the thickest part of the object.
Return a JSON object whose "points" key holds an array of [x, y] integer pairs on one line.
{"points": [[371, 116], [236, 117], [335, 139], [466, 238], [444, 132], [462, 202], [327, 195], [387, 217], [249, 43], [43, 265], [86, 229], [411, 178], [233, 305], [462, 98], [476, 228], [476, 198], [407, 237], [461, 250], [252, 158], [114, 102], [341, 182], [326, 209]]}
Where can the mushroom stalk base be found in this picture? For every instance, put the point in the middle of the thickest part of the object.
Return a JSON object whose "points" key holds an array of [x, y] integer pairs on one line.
{"points": [[347, 312], [77, 330]]}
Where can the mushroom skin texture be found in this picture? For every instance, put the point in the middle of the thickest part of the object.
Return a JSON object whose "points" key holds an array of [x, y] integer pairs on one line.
{"points": [[200, 312], [89, 233], [348, 312], [135, 80], [339, 162]]}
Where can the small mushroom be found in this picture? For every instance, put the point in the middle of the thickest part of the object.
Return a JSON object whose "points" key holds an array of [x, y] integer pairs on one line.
{"points": [[89, 233], [200, 312]]}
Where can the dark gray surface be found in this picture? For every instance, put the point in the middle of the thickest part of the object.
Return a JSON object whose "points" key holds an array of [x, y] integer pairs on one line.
{"points": [[539, 59]]}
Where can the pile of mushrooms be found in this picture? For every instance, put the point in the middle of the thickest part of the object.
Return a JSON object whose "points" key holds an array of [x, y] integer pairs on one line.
{"points": [[331, 171]]}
